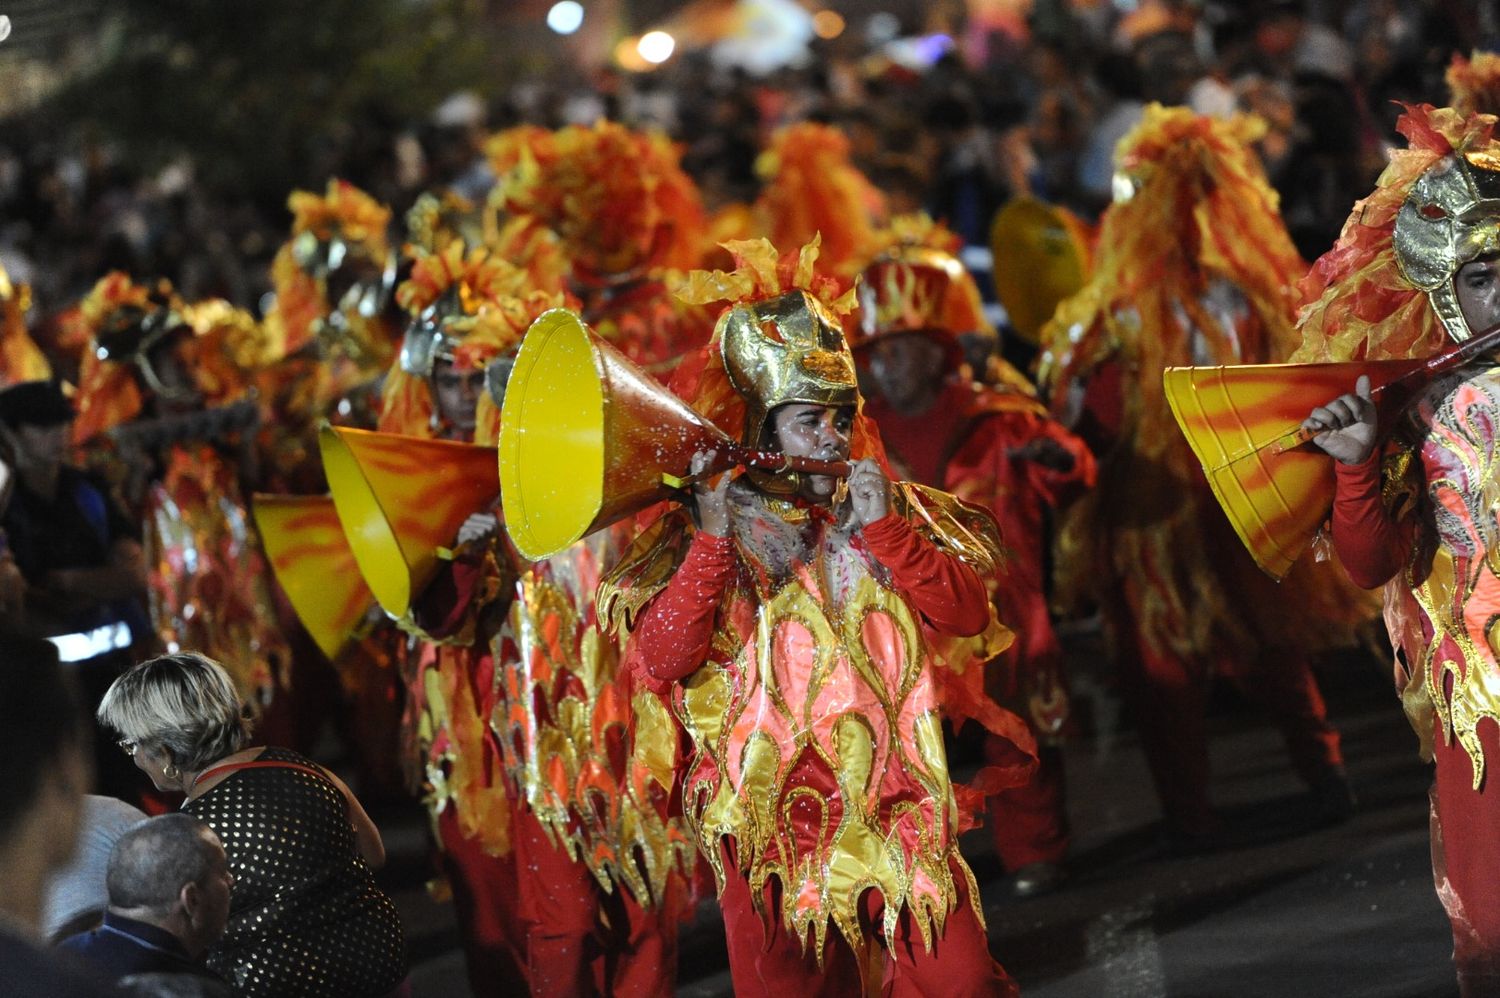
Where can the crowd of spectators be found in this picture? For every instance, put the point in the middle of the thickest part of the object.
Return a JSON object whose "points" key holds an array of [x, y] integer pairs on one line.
{"points": [[951, 125]]}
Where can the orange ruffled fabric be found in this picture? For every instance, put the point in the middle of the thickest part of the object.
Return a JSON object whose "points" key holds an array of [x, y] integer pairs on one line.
{"points": [[1474, 83], [1357, 305], [617, 198], [813, 188]]}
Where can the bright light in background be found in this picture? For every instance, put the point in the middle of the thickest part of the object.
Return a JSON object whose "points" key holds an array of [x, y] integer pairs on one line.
{"points": [[827, 24], [565, 17], [656, 47]]}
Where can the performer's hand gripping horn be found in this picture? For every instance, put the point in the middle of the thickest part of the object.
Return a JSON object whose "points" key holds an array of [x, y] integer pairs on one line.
{"points": [[1245, 427], [588, 438]]}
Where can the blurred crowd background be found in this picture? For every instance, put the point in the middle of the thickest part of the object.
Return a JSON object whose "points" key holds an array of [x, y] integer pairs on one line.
{"points": [[161, 137]]}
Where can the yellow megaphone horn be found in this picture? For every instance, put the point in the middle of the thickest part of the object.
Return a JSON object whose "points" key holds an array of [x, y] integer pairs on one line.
{"points": [[588, 438], [401, 500], [315, 566]]}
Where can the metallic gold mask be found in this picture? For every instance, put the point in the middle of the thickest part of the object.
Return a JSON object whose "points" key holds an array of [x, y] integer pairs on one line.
{"points": [[789, 348], [1450, 218]]}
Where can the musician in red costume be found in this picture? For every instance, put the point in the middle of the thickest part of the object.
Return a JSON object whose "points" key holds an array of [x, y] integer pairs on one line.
{"points": [[803, 630], [163, 404], [560, 869], [1418, 264], [1193, 266], [999, 448]]}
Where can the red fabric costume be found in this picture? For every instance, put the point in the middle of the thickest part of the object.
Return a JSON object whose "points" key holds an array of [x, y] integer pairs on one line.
{"points": [[972, 442], [1422, 521], [810, 661], [1192, 267]]}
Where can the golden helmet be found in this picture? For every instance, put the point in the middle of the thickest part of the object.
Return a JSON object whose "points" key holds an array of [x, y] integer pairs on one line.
{"points": [[1450, 218], [789, 348]]}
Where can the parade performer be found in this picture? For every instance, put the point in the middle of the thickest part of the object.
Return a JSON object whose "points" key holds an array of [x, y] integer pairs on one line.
{"points": [[1417, 265], [559, 859], [794, 624], [626, 215], [164, 405], [996, 447], [1193, 266], [331, 331]]}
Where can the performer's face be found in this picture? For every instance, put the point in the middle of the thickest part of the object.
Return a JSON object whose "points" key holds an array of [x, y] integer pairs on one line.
{"points": [[1477, 285], [817, 431], [906, 369], [456, 394]]}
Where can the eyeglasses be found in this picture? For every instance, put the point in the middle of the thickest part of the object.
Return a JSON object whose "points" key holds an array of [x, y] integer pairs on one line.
{"points": [[128, 747]]}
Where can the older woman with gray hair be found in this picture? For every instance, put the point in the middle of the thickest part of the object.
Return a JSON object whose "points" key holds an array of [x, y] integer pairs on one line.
{"points": [[305, 915]]}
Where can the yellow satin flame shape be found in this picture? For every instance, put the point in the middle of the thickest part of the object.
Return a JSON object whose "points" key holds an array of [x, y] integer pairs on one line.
{"points": [[1242, 424], [401, 500], [315, 566]]}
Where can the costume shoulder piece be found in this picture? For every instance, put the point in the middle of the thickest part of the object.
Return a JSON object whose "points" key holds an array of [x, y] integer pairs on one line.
{"points": [[642, 571], [961, 528]]}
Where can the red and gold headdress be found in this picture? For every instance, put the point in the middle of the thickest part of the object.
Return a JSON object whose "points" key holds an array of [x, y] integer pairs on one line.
{"points": [[1474, 83], [326, 229], [780, 340], [120, 321], [917, 284], [617, 198], [1385, 289], [468, 307], [811, 189]]}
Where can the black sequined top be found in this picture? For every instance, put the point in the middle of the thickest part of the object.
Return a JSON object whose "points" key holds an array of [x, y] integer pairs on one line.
{"points": [[305, 916]]}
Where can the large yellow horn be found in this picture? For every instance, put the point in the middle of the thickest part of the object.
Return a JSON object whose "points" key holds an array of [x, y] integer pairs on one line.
{"points": [[314, 565], [401, 500], [586, 437]]}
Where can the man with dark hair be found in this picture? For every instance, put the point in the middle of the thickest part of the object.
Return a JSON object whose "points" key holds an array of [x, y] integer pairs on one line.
{"points": [[168, 883], [44, 744], [80, 557]]}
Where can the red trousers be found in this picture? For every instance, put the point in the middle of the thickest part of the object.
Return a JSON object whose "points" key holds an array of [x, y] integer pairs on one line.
{"points": [[1466, 860], [765, 960], [571, 950], [1169, 696], [489, 918], [1029, 822]]}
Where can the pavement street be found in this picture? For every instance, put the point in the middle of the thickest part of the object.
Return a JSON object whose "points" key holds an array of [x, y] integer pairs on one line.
{"points": [[1284, 909]]}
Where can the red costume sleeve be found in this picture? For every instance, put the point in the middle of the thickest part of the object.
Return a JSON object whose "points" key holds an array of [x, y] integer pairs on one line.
{"points": [[1059, 486], [1371, 545], [444, 605], [949, 593], [676, 628]]}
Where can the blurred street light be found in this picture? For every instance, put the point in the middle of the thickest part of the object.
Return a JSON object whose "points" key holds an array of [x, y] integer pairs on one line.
{"points": [[565, 17]]}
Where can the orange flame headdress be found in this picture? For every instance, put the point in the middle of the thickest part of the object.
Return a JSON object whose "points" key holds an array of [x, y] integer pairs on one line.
{"points": [[468, 307], [1192, 204], [917, 284], [1361, 300], [117, 319], [326, 228], [1474, 83], [20, 358], [812, 188], [617, 198], [780, 340]]}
